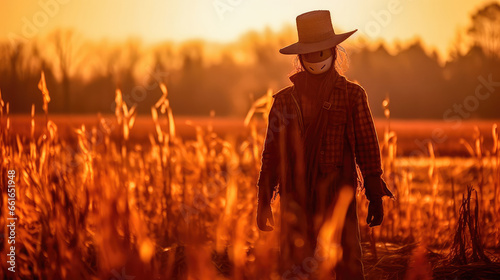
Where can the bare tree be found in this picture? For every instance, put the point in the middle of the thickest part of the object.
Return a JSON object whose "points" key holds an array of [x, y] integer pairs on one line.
{"points": [[132, 56], [16, 58], [192, 53], [485, 29], [66, 49]]}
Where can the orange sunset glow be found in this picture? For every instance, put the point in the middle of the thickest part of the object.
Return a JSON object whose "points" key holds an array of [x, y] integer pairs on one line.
{"points": [[436, 22], [244, 139]]}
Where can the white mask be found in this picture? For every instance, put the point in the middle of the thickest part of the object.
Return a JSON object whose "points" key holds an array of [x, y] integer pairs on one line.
{"points": [[318, 67]]}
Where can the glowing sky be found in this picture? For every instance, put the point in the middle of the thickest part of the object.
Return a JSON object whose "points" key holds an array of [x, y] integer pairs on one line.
{"points": [[435, 21]]}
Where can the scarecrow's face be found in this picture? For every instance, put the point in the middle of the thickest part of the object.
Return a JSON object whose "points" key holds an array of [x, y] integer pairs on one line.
{"points": [[317, 62]]}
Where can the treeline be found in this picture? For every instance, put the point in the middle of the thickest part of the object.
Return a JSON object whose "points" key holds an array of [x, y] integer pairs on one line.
{"points": [[418, 87], [82, 76]]}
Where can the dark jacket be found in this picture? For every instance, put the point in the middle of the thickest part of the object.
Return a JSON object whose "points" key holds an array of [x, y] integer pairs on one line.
{"points": [[349, 117]]}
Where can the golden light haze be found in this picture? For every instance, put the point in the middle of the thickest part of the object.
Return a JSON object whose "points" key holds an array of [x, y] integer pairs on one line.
{"points": [[436, 22]]}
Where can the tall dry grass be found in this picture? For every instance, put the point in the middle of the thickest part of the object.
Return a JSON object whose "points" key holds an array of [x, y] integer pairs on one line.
{"points": [[106, 208]]}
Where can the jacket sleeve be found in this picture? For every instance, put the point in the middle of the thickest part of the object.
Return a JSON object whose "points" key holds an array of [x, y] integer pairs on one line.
{"points": [[268, 176], [367, 148]]}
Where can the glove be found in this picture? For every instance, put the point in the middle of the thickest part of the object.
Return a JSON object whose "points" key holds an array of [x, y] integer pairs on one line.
{"points": [[375, 212], [264, 214], [375, 188]]}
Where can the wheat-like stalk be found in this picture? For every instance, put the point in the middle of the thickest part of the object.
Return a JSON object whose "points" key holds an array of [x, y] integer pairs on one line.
{"points": [[103, 205]]}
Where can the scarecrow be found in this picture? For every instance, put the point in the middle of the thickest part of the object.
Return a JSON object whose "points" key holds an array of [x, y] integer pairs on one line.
{"points": [[320, 130]]}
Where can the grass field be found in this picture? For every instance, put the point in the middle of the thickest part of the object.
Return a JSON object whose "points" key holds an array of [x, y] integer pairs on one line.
{"points": [[413, 135], [126, 197]]}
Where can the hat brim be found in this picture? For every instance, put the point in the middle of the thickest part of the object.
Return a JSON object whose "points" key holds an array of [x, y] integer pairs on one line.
{"points": [[302, 48]]}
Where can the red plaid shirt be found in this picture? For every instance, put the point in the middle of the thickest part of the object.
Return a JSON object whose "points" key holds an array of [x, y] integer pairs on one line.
{"points": [[349, 110]]}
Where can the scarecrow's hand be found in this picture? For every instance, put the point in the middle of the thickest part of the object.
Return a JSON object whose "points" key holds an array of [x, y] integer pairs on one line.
{"points": [[375, 188], [264, 214], [375, 212]]}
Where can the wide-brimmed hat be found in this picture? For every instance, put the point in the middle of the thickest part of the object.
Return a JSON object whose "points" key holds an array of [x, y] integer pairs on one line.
{"points": [[316, 33]]}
